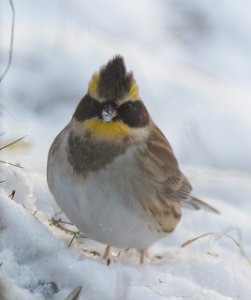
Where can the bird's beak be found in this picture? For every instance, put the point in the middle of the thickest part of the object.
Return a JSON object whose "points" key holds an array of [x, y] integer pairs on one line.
{"points": [[109, 113]]}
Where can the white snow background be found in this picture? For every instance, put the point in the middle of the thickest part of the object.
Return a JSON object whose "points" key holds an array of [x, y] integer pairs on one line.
{"points": [[192, 62]]}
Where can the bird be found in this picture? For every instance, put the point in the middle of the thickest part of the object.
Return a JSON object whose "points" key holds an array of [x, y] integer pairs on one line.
{"points": [[113, 172]]}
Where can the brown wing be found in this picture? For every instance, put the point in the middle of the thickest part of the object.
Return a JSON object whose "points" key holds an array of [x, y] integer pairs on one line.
{"points": [[160, 185]]}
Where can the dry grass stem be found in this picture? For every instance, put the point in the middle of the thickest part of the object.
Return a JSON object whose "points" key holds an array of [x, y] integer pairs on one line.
{"points": [[12, 143], [216, 236], [11, 42]]}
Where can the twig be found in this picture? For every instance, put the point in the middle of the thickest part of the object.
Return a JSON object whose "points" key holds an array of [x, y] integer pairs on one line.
{"points": [[195, 239], [12, 194], [74, 295], [11, 41], [35, 212], [74, 235], [58, 222], [14, 165], [235, 241], [8, 145], [12, 143], [216, 236]]}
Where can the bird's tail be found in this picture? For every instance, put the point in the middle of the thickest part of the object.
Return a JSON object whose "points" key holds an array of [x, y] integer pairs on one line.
{"points": [[195, 203]]}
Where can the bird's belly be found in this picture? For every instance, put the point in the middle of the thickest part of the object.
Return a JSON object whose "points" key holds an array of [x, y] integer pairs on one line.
{"points": [[103, 207]]}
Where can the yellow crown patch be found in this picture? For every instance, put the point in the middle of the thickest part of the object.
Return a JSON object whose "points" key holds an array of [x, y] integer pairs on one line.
{"points": [[133, 92], [93, 85]]}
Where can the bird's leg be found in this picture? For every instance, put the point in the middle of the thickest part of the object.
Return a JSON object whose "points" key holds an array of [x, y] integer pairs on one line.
{"points": [[107, 252], [143, 254]]}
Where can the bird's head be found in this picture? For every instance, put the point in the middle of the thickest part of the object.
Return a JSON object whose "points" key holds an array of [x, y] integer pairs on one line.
{"points": [[112, 107]]}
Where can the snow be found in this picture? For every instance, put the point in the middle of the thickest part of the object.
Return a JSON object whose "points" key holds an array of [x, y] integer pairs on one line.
{"points": [[192, 62]]}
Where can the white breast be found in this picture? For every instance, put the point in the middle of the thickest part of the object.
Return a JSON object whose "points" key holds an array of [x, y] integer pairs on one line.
{"points": [[102, 204]]}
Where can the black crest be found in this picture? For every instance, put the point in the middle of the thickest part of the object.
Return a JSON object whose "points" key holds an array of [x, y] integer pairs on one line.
{"points": [[114, 81]]}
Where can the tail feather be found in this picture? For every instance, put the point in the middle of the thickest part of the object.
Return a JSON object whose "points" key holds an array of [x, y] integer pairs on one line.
{"points": [[195, 203]]}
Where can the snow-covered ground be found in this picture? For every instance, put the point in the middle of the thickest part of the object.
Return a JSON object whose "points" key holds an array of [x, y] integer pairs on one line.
{"points": [[192, 61]]}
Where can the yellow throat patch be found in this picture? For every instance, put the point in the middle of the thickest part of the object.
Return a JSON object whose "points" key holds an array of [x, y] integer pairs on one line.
{"points": [[114, 129]]}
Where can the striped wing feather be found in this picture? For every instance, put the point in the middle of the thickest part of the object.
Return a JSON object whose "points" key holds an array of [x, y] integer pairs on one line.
{"points": [[160, 186]]}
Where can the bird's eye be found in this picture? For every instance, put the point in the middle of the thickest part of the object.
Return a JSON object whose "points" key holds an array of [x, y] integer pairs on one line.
{"points": [[133, 113], [87, 108]]}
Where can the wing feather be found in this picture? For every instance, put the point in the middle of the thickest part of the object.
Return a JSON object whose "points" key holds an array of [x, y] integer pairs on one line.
{"points": [[160, 186]]}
